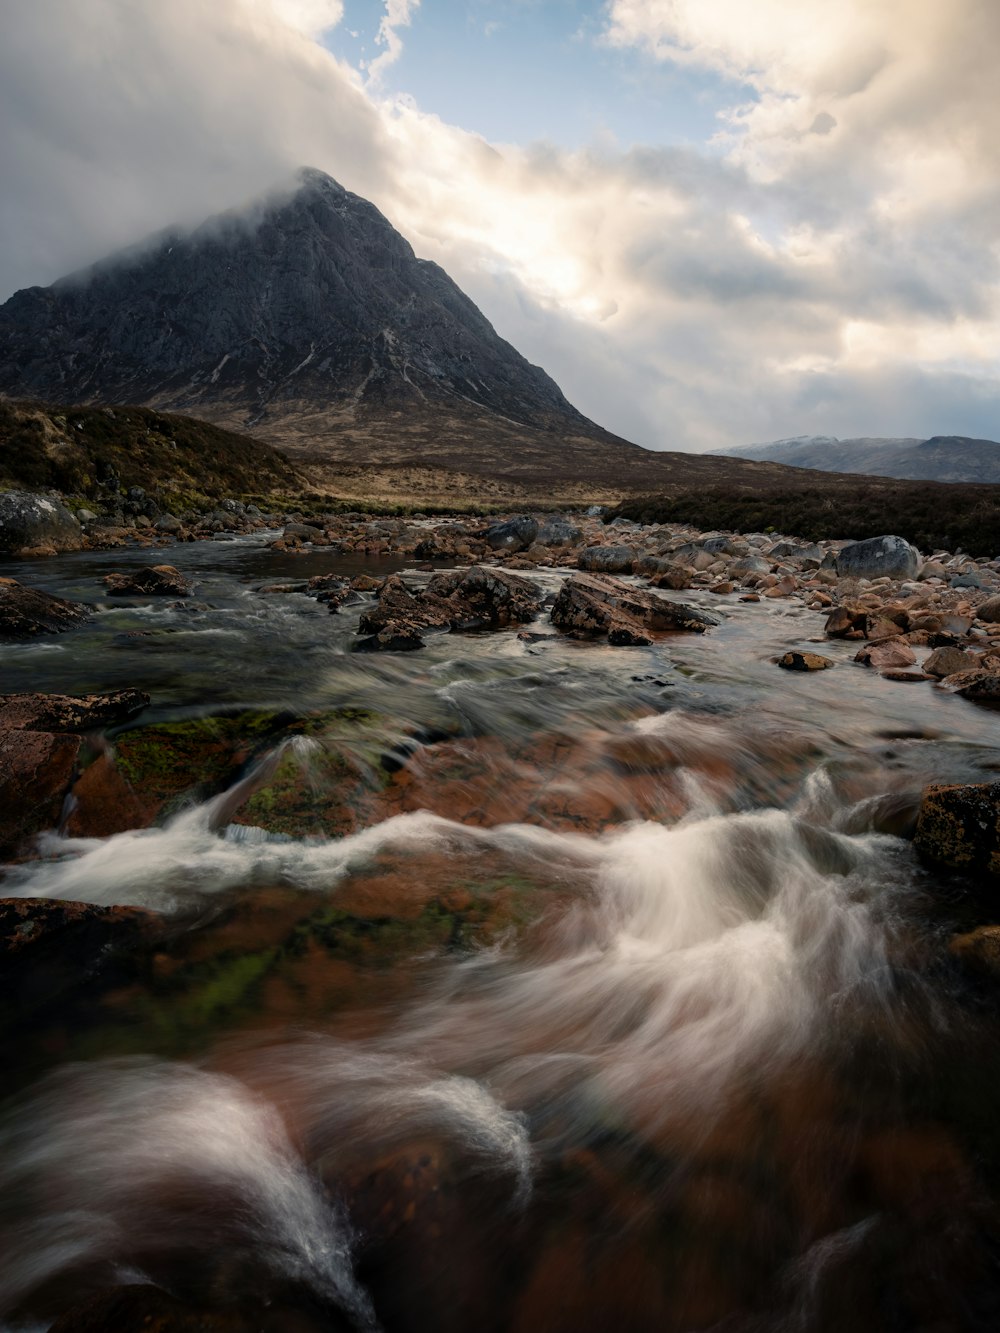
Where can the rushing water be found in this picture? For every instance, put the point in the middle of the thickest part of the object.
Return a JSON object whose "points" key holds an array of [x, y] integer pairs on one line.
{"points": [[700, 1061]]}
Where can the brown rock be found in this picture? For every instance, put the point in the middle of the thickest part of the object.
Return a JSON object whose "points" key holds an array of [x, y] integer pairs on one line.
{"points": [[798, 661], [959, 827], [881, 627], [887, 654], [846, 620], [64, 712], [989, 611], [36, 770], [948, 661], [462, 600], [904, 677], [150, 581], [25, 612], [979, 951], [594, 605], [982, 686]]}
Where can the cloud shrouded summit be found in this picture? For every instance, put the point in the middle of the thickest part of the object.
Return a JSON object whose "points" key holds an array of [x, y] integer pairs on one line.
{"points": [[827, 264]]}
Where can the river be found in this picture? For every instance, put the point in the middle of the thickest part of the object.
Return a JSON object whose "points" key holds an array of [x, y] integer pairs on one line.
{"points": [[620, 1004]]}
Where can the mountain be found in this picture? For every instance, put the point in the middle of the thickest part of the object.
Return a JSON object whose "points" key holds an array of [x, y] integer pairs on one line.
{"points": [[953, 458], [308, 320]]}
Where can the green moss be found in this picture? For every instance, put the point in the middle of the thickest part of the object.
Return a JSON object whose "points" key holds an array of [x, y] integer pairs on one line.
{"points": [[228, 986]]}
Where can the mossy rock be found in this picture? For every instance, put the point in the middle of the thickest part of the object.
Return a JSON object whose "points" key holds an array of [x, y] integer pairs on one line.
{"points": [[959, 828]]}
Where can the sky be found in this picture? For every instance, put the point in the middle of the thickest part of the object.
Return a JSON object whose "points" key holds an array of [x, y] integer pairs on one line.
{"points": [[711, 221]]}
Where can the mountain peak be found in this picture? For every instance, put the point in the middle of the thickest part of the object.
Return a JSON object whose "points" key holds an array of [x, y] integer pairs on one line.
{"points": [[305, 317]]}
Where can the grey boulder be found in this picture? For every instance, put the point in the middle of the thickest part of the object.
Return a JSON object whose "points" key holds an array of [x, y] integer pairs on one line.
{"points": [[28, 520], [878, 557]]}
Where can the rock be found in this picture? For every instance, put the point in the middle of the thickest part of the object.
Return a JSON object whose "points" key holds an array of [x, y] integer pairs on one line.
{"points": [[844, 621], [871, 559], [904, 676], [887, 654], [981, 686], [558, 532], [959, 827], [28, 520], [141, 1306], [330, 589], [68, 713], [26, 612], [607, 559], [87, 516], [593, 605], [150, 581], [797, 661], [978, 951], [516, 534], [303, 532], [749, 564], [168, 523], [989, 611], [47, 944], [724, 546], [948, 661], [36, 770], [881, 627], [675, 578], [462, 600]]}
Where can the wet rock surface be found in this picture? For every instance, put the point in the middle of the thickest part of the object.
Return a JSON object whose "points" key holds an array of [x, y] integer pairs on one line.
{"points": [[153, 581], [36, 771], [474, 599], [64, 712], [959, 827], [26, 613], [801, 661], [594, 606]]}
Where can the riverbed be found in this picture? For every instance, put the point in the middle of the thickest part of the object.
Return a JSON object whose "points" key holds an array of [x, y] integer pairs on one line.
{"points": [[613, 994]]}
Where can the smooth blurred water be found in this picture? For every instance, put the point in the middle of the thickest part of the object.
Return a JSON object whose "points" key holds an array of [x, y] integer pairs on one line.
{"points": [[724, 1079]]}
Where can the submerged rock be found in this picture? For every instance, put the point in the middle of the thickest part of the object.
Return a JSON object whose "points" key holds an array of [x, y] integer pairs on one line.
{"points": [[959, 827], [594, 605], [28, 520], [978, 951], [26, 612], [152, 580], [878, 556]]}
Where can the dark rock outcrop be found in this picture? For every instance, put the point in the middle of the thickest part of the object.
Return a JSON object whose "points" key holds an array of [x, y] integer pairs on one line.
{"points": [[151, 581], [27, 612], [463, 600], [28, 520], [594, 605], [959, 827]]}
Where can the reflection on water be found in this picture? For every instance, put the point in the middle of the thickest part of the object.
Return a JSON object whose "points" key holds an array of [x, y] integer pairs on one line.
{"points": [[618, 1005]]}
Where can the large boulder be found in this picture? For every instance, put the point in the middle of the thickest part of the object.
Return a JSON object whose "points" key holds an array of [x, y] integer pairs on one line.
{"points": [[28, 520], [989, 612], [462, 600], [959, 827], [877, 557], [151, 581], [593, 605], [26, 612], [516, 534], [607, 559], [558, 531]]}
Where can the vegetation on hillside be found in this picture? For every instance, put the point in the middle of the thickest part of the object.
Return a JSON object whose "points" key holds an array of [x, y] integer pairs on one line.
{"points": [[77, 450], [929, 514]]}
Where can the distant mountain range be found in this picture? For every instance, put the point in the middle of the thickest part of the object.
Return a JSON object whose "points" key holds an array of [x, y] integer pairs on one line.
{"points": [[940, 458]]}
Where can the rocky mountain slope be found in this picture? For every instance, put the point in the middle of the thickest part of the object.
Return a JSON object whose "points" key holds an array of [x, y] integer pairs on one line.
{"points": [[308, 320], [953, 458]]}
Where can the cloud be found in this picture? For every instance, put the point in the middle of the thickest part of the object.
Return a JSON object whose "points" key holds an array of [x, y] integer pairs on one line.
{"points": [[830, 263], [398, 14]]}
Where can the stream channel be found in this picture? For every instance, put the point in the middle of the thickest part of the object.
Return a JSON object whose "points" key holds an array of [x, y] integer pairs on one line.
{"points": [[514, 984]]}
